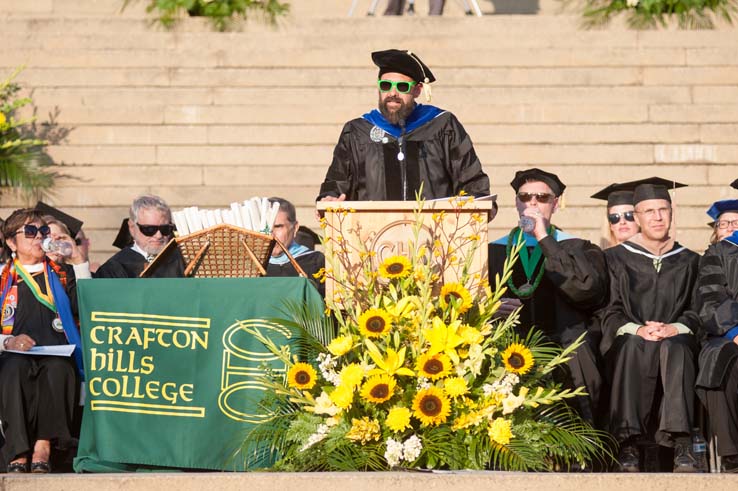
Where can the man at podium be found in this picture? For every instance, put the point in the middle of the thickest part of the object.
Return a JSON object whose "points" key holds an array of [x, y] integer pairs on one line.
{"points": [[387, 154]]}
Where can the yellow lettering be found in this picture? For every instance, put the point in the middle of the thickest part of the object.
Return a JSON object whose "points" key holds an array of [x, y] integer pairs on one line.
{"points": [[185, 392], [114, 333], [200, 338], [161, 333], [116, 387], [152, 389], [181, 344], [134, 336], [91, 384], [149, 337], [147, 365], [93, 334]]}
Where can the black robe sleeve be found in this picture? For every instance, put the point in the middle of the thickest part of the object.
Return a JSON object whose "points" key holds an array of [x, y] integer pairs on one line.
{"points": [[718, 302], [338, 179], [577, 269], [466, 168]]}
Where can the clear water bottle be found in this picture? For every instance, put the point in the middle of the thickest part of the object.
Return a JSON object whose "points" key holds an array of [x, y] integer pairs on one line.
{"points": [[60, 247], [699, 450], [527, 224]]}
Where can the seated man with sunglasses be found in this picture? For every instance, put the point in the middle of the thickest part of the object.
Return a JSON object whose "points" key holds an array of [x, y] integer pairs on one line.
{"points": [[390, 152], [150, 225], [652, 328], [558, 280]]}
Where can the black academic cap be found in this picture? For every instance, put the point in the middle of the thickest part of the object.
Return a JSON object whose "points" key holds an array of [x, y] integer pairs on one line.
{"points": [[734, 184], [123, 239], [72, 223], [305, 236], [534, 174], [653, 188], [405, 62], [615, 194]]}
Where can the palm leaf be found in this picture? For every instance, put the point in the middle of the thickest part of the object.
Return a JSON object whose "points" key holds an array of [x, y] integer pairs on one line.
{"points": [[314, 329]]}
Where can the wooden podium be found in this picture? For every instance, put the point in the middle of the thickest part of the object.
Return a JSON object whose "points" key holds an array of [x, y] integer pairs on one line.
{"points": [[386, 228]]}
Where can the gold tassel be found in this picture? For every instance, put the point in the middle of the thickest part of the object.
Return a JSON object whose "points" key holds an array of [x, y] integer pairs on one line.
{"points": [[562, 203], [427, 90]]}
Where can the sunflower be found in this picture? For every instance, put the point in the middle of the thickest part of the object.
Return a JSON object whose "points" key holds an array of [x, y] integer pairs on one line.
{"points": [[451, 291], [395, 267], [517, 359], [398, 419], [431, 406], [379, 388], [433, 366], [301, 376], [375, 323]]}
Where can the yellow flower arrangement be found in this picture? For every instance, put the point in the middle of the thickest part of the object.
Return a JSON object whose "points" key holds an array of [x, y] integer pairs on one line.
{"points": [[422, 371]]}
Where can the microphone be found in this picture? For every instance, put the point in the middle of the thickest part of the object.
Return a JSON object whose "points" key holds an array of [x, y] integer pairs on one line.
{"points": [[401, 159], [527, 224]]}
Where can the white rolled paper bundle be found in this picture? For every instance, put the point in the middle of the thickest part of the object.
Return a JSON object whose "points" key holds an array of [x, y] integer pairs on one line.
{"points": [[255, 213]]}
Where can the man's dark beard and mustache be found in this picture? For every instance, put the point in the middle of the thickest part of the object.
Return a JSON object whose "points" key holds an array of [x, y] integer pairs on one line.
{"points": [[394, 117]]}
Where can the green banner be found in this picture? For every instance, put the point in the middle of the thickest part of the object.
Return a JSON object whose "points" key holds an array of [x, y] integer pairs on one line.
{"points": [[171, 376]]}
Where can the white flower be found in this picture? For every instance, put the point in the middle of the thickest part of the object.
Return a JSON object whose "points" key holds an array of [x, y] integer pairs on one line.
{"points": [[423, 383], [487, 389], [327, 365], [324, 405], [632, 3], [511, 403], [412, 448], [393, 454], [319, 435]]}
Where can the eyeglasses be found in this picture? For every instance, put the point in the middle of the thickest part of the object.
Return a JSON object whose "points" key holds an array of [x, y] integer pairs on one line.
{"points": [[401, 87], [150, 230], [30, 230], [614, 218], [540, 197], [726, 223]]}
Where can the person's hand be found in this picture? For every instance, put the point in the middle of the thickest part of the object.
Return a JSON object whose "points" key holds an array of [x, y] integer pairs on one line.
{"points": [[21, 342], [333, 198], [661, 330], [647, 333], [508, 306], [541, 229]]}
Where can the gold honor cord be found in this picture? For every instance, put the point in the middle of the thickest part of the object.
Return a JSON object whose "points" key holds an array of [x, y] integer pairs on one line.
{"points": [[46, 299]]}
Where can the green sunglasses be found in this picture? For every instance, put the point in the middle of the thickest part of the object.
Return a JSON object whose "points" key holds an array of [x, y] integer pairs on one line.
{"points": [[401, 87]]}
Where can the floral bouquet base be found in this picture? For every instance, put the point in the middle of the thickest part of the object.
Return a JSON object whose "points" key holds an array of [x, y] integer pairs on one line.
{"points": [[422, 374]]}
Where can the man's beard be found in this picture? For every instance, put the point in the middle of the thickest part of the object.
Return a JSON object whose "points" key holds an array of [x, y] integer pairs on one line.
{"points": [[394, 117]]}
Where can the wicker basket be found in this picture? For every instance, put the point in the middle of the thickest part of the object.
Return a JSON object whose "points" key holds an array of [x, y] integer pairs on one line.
{"points": [[225, 251]]}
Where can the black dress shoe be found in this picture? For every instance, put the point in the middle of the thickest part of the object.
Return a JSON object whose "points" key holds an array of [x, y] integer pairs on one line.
{"points": [[17, 467], [628, 459], [40, 467], [684, 461], [729, 464]]}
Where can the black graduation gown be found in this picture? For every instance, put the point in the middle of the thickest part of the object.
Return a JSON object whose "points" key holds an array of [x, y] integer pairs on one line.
{"points": [[439, 154], [310, 262], [38, 394], [717, 381], [128, 263], [652, 391], [573, 286]]}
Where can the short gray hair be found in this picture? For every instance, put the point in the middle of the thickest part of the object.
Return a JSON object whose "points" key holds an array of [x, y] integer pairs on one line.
{"points": [[148, 201], [286, 207]]}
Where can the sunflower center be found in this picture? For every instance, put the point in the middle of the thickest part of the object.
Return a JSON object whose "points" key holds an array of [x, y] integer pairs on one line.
{"points": [[302, 377], [430, 405], [433, 366], [380, 391], [516, 360], [395, 268], [375, 324]]}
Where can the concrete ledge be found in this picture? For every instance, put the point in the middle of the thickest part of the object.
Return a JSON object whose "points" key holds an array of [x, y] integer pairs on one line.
{"points": [[385, 481]]}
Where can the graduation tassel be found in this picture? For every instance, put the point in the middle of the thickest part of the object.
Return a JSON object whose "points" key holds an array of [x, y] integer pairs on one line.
{"points": [[427, 90]]}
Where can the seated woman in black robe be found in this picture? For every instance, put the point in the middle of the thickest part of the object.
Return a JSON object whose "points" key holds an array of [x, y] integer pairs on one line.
{"points": [[37, 393], [717, 381]]}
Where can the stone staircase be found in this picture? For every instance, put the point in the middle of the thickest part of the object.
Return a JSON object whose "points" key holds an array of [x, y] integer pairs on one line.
{"points": [[205, 118]]}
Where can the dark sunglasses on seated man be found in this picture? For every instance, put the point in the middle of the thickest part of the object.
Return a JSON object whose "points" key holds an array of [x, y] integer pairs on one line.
{"points": [[614, 218], [540, 197], [401, 86], [30, 231], [150, 230]]}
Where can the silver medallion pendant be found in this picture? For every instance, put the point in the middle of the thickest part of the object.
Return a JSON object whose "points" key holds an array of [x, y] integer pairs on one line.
{"points": [[57, 325], [376, 134]]}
